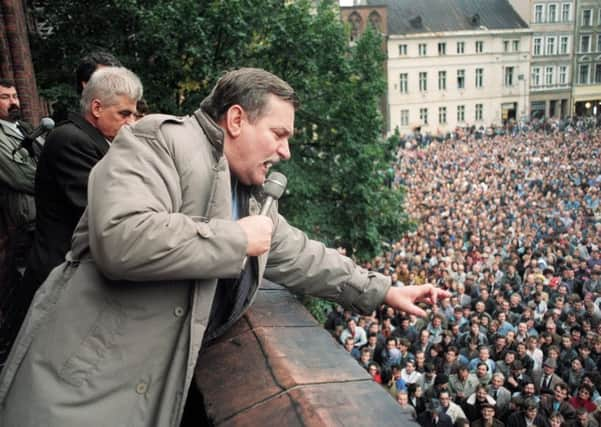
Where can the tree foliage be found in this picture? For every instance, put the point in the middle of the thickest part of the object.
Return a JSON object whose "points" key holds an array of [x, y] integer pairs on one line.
{"points": [[179, 48]]}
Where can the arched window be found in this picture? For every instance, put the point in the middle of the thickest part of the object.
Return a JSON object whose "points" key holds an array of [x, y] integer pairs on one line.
{"points": [[375, 21], [354, 20]]}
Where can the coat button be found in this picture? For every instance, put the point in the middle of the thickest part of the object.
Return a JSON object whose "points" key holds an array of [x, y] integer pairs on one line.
{"points": [[142, 388], [179, 311]]}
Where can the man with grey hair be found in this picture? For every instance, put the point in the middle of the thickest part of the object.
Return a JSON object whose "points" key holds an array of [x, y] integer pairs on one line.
{"points": [[71, 150], [169, 254]]}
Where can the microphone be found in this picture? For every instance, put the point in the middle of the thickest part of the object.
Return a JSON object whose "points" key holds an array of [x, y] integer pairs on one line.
{"points": [[46, 125], [274, 188]]}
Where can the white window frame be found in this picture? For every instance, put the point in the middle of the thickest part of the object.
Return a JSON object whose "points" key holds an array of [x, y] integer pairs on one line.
{"points": [[550, 45], [404, 117], [535, 76], [549, 74], [479, 112], [442, 80], [442, 115], [460, 48], [565, 6], [479, 77], [423, 81], [461, 78], [555, 14], [563, 75], [537, 46], [403, 49], [423, 116], [564, 45], [404, 83], [461, 113], [539, 13]]}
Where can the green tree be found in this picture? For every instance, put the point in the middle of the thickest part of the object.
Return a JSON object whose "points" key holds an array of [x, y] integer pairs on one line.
{"points": [[338, 174]]}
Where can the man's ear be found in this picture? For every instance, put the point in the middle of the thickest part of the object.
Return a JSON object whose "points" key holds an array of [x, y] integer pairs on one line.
{"points": [[96, 108], [234, 117]]}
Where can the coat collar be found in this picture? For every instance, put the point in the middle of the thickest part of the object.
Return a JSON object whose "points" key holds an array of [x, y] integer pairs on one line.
{"points": [[99, 140], [212, 130]]}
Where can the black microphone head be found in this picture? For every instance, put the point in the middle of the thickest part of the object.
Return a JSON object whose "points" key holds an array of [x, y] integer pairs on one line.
{"points": [[275, 185], [47, 123]]}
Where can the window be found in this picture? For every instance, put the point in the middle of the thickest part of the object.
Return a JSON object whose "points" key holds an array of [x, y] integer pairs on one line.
{"points": [[421, 48], [402, 50], [552, 13], [587, 17], [423, 81], [442, 115], [479, 46], [404, 83], [585, 43], [404, 117], [599, 41], [508, 76], [583, 73], [538, 13], [535, 76], [461, 113], [548, 76], [423, 115], [565, 12], [563, 45], [537, 46], [442, 48], [460, 47], [479, 112], [515, 45], [442, 80], [505, 45], [597, 73], [479, 77], [550, 46], [563, 74], [460, 79]]}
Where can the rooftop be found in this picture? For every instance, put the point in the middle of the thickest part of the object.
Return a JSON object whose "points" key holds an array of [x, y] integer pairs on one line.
{"points": [[427, 16]]}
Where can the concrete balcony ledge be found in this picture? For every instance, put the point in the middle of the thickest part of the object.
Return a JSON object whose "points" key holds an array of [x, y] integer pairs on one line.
{"points": [[278, 366]]}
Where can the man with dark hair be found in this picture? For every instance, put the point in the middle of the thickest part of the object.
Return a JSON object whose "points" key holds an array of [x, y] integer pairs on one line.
{"points": [[557, 403], [169, 254], [90, 63], [17, 207], [530, 416]]}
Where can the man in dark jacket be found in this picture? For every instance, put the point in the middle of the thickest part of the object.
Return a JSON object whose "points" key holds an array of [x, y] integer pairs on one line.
{"points": [[530, 416]]}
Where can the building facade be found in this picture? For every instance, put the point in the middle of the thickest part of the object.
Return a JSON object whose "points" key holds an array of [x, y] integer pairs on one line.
{"points": [[552, 55], [451, 64], [587, 58]]}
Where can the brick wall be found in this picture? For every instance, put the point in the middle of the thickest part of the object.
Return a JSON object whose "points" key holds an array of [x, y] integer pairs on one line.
{"points": [[15, 58]]}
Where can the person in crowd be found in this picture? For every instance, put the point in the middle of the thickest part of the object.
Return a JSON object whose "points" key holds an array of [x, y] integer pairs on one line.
{"points": [[137, 296], [357, 333], [403, 401], [582, 398], [17, 209], [487, 417], [529, 416], [449, 407]]}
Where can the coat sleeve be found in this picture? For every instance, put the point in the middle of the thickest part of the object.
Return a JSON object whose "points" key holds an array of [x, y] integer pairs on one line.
{"points": [[136, 229], [16, 172], [306, 266]]}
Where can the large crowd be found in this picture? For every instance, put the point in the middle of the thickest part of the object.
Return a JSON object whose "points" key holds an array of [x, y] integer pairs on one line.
{"points": [[511, 224]]}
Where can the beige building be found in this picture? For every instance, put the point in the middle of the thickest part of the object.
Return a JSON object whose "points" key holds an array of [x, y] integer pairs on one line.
{"points": [[453, 64], [552, 53], [587, 58]]}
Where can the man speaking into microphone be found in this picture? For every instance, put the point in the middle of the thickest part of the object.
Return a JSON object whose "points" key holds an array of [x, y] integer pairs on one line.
{"points": [[168, 254]]}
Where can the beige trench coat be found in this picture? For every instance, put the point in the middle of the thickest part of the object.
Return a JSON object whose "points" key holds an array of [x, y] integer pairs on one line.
{"points": [[113, 335]]}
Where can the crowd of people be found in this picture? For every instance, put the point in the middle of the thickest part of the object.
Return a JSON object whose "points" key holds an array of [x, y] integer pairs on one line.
{"points": [[510, 223]]}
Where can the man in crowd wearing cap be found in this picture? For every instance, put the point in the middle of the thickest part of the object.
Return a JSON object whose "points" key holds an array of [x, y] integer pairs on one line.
{"points": [[546, 380], [487, 419], [530, 416]]}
